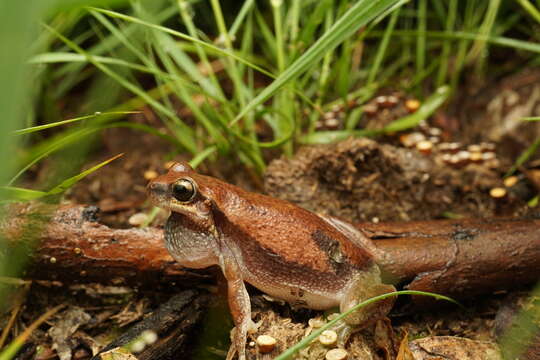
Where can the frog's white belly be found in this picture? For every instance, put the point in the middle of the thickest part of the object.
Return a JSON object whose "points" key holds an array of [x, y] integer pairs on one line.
{"points": [[299, 297]]}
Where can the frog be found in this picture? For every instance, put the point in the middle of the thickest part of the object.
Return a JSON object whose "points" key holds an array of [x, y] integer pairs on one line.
{"points": [[290, 253]]}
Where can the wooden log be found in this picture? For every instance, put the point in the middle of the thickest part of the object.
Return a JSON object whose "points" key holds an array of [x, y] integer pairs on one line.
{"points": [[454, 257]]}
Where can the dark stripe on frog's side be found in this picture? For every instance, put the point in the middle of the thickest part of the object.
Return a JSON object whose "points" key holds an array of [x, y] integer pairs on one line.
{"points": [[332, 249]]}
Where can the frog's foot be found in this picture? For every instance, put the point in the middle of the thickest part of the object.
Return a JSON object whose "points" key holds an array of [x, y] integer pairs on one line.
{"points": [[344, 332], [253, 326], [231, 352], [363, 287]]}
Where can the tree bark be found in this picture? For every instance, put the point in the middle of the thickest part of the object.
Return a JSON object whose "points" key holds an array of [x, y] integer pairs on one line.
{"points": [[453, 257]]}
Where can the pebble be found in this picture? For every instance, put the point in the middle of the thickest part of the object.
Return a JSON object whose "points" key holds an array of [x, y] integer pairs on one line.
{"points": [[138, 219]]}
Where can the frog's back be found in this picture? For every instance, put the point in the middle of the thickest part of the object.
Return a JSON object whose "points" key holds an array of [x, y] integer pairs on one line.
{"points": [[280, 243]]}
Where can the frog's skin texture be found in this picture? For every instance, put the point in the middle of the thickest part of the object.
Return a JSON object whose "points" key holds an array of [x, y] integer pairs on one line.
{"points": [[280, 248]]}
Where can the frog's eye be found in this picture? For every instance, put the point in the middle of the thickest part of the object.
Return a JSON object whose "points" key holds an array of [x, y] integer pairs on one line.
{"points": [[183, 190]]}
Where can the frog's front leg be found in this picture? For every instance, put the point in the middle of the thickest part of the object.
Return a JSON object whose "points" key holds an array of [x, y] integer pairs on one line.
{"points": [[240, 307], [363, 286]]}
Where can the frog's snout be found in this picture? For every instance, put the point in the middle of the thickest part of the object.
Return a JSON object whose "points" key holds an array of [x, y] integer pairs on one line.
{"points": [[157, 191], [157, 188]]}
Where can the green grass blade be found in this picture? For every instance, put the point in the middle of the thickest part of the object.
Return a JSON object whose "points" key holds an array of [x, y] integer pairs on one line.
{"points": [[200, 157], [185, 37], [428, 107], [308, 339], [16, 193], [49, 148], [185, 133], [10, 193], [328, 137], [358, 15], [383, 46], [69, 121], [464, 35], [421, 38], [530, 8], [66, 184], [525, 155]]}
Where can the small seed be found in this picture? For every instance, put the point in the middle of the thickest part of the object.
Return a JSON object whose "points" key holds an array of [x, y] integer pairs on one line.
{"points": [[316, 323], [149, 337], [497, 192], [381, 100], [434, 139], [454, 160], [336, 354], [475, 157], [337, 108], [392, 100], [493, 163], [510, 181], [446, 158], [77, 250], [488, 156], [423, 125], [266, 343], [435, 131], [137, 219], [137, 346], [412, 105], [411, 139], [332, 316], [474, 148], [331, 123], [424, 146], [328, 338], [486, 146], [328, 115], [52, 260], [449, 147], [150, 174], [370, 109], [463, 155]]}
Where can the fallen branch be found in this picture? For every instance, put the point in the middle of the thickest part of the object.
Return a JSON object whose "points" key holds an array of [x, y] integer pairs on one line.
{"points": [[454, 257]]}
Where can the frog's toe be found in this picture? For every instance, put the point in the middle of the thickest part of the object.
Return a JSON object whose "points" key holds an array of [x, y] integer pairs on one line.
{"points": [[344, 332], [253, 326]]}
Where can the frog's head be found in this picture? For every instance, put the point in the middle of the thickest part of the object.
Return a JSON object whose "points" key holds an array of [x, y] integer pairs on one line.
{"points": [[180, 191]]}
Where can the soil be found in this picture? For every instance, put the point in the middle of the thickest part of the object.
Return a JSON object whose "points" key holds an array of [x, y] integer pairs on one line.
{"points": [[357, 180]]}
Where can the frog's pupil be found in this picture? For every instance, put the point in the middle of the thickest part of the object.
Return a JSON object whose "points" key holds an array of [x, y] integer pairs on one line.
{"points": [[183, 190]]}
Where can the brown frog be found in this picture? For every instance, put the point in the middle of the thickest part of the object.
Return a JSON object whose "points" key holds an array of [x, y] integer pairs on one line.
{"points": [[286, 251]]}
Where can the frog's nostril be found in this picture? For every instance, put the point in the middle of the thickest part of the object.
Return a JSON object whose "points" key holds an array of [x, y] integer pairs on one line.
{"points": [[158, 187]]}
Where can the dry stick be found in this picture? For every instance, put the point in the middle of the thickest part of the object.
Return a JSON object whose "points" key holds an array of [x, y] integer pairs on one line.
{"points": [[10, 350], [454, 257], [21, 297]]}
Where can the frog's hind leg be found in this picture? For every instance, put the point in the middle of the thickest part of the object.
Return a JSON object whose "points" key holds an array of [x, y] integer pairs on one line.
{"points": [[364, 285]]}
